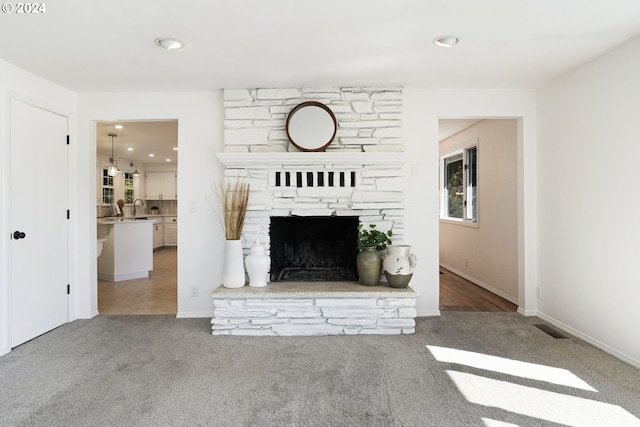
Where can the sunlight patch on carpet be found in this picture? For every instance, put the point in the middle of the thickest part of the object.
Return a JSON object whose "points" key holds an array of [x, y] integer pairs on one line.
{"points": [[541, 404], [502, 365]]}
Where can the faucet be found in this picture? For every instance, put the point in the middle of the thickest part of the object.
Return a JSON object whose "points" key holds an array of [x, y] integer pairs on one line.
{"points": [[134, 205]]}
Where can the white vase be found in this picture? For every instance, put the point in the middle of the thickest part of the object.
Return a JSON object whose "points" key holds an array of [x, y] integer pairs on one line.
{"points": [[398, 265], [233, 269], [257, 264]]}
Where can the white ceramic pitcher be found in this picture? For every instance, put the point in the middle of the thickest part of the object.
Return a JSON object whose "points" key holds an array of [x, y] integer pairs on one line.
{"points": [[399, 260], [398, 265]]}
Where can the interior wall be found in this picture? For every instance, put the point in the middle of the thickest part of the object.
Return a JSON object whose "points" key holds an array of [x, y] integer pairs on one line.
{"points": [[27, 87], [588, 244], [200, 136], [422, 110], [486, 252]]}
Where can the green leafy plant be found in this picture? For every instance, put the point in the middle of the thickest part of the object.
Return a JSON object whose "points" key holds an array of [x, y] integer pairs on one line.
{"points": [[373, 238]]}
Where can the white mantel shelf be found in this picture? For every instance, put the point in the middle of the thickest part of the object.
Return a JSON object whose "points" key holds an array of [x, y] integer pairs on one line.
{"points": [[311, 158]]}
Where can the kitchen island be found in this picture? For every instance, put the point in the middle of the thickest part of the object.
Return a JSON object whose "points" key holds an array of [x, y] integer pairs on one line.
{"points": [[127, 252]]}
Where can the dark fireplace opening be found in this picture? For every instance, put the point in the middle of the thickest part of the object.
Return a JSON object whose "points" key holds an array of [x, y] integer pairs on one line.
{"points": [[314, 248]]}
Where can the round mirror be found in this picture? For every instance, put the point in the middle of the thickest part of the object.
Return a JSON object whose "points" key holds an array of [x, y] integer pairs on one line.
{"points": [[311, 126]]}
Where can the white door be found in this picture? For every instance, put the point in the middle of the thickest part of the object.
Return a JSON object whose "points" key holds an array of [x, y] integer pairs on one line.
{"points": [[38, 209]]}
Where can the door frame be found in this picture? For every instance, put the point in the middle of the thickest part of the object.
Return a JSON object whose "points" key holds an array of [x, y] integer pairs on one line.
{"points": [[5, 208], [519, 300], [93, 126]]}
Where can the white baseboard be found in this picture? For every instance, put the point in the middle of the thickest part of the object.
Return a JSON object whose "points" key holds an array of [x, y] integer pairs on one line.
{"points": [[594, 342], [483, 285], [86, 316], [194, 314], [528, 313], [428, 313]]}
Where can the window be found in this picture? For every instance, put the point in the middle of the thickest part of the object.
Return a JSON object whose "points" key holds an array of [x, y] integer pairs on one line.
{"points": [[459, 181], [107, 187], [128, 188], [453, 186]]}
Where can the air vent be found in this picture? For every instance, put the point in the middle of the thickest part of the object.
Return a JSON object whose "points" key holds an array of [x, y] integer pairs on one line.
{"points": [[552, 332]]}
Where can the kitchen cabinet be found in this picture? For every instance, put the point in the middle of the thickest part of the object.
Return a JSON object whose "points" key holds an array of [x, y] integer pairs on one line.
{"points": [[161, 186], [170, 225], [158, 233]]}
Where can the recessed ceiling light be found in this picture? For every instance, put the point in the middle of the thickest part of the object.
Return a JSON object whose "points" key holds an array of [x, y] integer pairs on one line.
{"points": [[169, 43], [151, 155], [446, 41], [175, 148], [130, 149], [168, 160], [118, 126]]}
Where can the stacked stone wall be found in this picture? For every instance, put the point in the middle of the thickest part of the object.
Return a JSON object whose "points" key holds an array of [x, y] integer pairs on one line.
{"points": [[369, 123], [369, 118]]}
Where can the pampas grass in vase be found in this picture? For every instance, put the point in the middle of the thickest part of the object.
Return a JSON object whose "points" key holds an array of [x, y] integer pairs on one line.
{"points": [[235, 199]]}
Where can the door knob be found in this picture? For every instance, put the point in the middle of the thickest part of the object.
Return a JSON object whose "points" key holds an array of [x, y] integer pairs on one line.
{"points": [[18, 235]]}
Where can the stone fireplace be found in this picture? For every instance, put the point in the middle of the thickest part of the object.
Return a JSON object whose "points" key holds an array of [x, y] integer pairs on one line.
{"points": [[357, 179]]}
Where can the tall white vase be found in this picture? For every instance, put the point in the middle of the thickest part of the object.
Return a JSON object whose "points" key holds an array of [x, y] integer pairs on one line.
{"points": [[233, 269], [257, 264]]}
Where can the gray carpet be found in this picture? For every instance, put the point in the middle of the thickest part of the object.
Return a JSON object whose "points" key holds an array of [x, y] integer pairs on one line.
{"points": [[158, 370]]}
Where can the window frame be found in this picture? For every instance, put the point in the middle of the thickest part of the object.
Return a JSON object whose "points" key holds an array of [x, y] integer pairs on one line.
{"points": [[130, 179], [105, 175], [467, 205]]}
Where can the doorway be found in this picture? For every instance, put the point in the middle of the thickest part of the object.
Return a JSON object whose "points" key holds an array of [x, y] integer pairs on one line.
{"points": [[143, 151], [479, 212]]}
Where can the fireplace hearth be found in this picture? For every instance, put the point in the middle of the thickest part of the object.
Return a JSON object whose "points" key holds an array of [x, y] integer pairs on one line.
{"points": [[314, 248]]}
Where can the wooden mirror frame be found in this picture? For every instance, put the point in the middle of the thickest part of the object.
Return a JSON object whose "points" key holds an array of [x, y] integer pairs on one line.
{"points": [[310, 144]]}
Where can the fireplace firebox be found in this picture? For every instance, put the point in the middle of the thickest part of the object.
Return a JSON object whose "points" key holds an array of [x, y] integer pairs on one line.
{"points": [[314, 248]]}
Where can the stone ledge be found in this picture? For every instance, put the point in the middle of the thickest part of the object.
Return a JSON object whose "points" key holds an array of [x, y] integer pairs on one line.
{"points": [[296, 290]]}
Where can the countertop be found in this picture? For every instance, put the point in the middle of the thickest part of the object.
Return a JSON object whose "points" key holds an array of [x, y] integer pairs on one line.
{"points": [[125, 220], [137, 218]]}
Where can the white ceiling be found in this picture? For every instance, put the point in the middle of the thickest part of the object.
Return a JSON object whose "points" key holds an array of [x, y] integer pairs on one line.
{"points": [[450, 127], [92, 46], [96, 46], [136, 140]]}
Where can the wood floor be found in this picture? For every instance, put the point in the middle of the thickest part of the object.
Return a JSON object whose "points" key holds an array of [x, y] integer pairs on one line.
{"points": [[459, 294], [156, 294]]}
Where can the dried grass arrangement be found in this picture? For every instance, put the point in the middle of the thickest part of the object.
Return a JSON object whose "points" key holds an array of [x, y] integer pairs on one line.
{"points": [[235, 199]]}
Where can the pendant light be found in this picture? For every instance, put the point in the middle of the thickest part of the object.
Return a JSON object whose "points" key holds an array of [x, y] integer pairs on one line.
{"points": [[113, 167], [135, 173]]}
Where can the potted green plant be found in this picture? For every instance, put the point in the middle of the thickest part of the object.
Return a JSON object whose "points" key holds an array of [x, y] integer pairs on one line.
{"points": [[369, 261]]}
